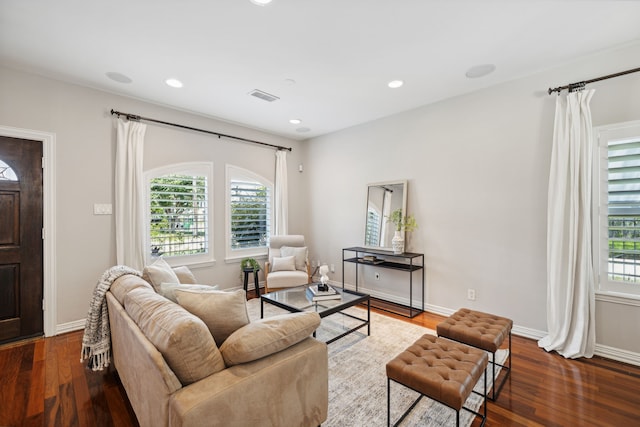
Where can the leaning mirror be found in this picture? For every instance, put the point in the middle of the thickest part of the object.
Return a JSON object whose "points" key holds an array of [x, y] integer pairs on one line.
{"points": [[382, 199]]}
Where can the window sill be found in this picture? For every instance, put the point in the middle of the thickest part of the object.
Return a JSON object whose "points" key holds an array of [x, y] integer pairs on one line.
{"points": [[618, 298]]}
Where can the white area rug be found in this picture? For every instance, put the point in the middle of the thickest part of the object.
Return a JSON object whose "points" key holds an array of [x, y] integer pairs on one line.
{"points": [[357, 376]]}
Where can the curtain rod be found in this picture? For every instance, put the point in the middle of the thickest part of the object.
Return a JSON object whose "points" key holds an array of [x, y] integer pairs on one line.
{"points": [[580, 85], [219, 135]]}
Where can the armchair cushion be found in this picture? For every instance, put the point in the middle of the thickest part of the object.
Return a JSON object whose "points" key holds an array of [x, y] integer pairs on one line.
{"points": [[286, 263], [300, 255], [223, 312], [268, 336]]}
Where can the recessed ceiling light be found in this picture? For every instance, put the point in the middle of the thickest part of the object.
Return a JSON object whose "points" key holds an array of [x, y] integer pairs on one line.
{"points": [[394, 84], [295, 121], [480, 71], [118, 77], [174, 83], [261, 2]]}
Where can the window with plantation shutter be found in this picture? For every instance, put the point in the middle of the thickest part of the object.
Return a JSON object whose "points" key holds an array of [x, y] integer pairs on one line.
{"points": [[179, 215], [618, 233], [250, 211]]}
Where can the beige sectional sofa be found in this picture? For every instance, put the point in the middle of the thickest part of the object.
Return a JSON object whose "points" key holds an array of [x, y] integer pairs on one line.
{"points": [[266, 373]]}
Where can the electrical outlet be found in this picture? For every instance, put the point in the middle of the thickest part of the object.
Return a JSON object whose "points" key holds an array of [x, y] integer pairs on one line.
{"points": [[471, 294], [332, 268], [377, 276]]}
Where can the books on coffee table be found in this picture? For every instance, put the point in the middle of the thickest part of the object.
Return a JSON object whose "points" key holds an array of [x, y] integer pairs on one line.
{"points": [[314, 294]]}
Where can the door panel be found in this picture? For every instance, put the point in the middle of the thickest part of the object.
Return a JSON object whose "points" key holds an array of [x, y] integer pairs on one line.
{"points": [[20, 238]]}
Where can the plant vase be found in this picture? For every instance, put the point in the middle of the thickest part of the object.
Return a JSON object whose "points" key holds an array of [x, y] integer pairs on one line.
{"points": [[398, 242]]}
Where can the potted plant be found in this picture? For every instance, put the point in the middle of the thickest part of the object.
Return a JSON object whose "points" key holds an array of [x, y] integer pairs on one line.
{"points": [[402, 223], [250, 263]]}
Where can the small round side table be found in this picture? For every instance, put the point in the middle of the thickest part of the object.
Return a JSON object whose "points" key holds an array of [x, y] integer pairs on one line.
{"points": [[246, 272]]}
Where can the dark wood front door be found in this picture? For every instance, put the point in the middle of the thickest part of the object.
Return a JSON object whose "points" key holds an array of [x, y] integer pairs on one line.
{"points": [[21, 255]]}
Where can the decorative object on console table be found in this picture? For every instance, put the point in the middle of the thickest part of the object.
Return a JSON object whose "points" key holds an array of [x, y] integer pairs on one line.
{"points": [[402, 224], [371, 259]]}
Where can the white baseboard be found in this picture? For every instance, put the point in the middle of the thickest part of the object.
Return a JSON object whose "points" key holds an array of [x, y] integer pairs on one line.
{"points": [[76, 325], [620, 355], [613, 353]]}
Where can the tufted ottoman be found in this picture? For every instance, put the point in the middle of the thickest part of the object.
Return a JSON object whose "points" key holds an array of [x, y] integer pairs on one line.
{"points": [[480, 330], [441, 369]]}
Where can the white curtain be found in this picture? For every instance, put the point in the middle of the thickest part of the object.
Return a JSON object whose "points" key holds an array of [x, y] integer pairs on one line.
{"points": [[129, 194], [282, 196], [570, 275]]}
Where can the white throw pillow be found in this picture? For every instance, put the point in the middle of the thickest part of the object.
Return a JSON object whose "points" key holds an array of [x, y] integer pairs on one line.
{"points": [[158, 273], [287, 263], [300, 254], [185, 276], [168, 290], [223, 312]]}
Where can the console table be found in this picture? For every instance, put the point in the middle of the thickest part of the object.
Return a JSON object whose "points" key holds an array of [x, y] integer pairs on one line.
{"points": [[406, 261]]}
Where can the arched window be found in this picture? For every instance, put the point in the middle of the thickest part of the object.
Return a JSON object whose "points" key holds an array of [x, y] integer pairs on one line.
{"points": [[249, 213], [6, 173], [179, 215]]}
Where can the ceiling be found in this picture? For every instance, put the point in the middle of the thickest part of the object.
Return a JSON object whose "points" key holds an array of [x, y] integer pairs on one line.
{"points": [[328, 61]]}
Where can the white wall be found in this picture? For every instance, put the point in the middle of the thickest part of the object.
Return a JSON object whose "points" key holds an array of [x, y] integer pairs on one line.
{"points": [[478, 170], [477, 167], [85, 142]]}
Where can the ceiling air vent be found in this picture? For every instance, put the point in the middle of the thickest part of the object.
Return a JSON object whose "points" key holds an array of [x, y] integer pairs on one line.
{"points": [[263, 95]]}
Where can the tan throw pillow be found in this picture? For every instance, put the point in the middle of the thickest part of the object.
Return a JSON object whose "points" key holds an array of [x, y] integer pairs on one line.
{"points": [[168, 290], [158, 273], [182, 338], [300, 255], [185, 276], [268, 336], [223, 312], [286, 263]]}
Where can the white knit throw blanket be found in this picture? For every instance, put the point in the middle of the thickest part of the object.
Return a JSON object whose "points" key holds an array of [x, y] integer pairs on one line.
{"points": [[96, 342]]}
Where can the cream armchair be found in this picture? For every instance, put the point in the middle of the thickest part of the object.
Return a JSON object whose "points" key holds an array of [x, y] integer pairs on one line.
{"points": [[288, 263]]}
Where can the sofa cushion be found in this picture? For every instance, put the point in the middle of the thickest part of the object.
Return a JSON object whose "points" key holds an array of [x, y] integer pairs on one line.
{"points": [[222, 311], [182, 338], [185, 276], [268, 336], [168, 290], [125, 284], [159, 272], [287, 263], [300, 255]]}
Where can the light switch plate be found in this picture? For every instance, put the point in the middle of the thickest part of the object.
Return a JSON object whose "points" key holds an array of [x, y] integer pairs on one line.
{"points": [[102, 209]]}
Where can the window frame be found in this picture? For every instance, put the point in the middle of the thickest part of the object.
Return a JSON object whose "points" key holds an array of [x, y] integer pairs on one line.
{"points": [[233, 172], [606, 289], [186, 168]]}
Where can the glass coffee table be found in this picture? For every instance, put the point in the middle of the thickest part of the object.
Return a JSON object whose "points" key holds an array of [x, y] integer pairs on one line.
{"points": [[295, 300]]}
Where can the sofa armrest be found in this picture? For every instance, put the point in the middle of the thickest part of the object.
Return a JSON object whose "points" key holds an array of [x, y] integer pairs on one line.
{"points": [[265, 392]]}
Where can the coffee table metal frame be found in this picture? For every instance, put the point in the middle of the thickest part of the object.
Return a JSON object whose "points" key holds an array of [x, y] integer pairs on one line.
{"points": [[299, 303]]}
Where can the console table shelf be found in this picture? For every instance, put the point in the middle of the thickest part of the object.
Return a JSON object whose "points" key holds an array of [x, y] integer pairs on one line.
{"points": [[409, 262]]}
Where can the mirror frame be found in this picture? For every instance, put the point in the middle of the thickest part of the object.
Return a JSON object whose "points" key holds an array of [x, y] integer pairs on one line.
{"points": [[404, 184]]}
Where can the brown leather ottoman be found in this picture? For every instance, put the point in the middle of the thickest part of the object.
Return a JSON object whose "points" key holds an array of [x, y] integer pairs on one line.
{"points": [[442, 370], [480, 330]]}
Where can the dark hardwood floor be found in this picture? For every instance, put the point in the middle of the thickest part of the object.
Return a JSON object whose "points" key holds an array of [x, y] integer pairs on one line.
{"points": [[43, 383]]}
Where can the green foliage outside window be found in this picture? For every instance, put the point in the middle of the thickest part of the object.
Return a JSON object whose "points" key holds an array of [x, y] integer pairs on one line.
{"points": [[179, 220], [249, 215]]}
